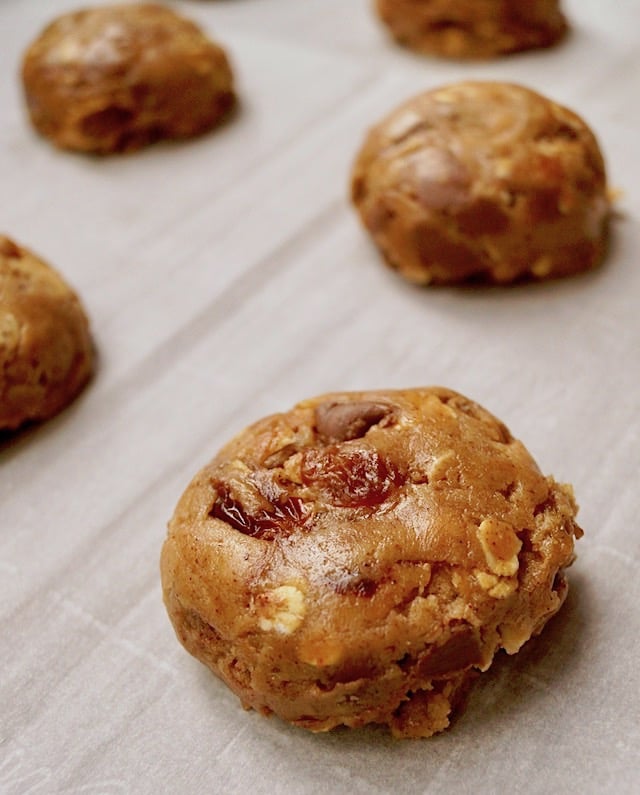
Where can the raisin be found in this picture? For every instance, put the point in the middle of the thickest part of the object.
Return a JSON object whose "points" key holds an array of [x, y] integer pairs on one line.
{"points": [[282, 518], [350, 477]]}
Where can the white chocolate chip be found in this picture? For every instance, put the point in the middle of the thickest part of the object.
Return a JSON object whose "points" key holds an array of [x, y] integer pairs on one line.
{"points": [[282, 609]]}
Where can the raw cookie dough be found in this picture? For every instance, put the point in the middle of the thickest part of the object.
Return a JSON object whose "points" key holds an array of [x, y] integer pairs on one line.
{"points": [[484, 181], [118, 77], [473, 28], [360, 558], [46, 356]]}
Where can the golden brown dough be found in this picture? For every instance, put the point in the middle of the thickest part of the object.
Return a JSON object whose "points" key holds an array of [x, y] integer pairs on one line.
{"points": [[118, 77], [483, 181], [46, 356], [473, 28], [359, 558]]}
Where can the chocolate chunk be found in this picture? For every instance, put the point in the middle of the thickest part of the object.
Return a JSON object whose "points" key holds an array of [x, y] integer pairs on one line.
{"points": [[462, 650], [483, 217], [340, 422], [441, 180], [436, 249]]}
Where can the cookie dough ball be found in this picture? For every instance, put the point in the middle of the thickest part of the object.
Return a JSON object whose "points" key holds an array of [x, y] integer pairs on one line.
{"points": [[116, 78], [484, 181], [46, 356], [473, 28], [360, 558]]}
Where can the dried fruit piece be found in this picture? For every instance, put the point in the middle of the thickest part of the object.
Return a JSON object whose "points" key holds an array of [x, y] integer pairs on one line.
{"points": [[281, 519], [353, 477]]}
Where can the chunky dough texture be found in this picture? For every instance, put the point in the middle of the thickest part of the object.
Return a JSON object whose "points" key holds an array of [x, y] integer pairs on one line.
{"points": [[483, 181], [46, 355], [116, 78], [361, 557], [473, 28]]}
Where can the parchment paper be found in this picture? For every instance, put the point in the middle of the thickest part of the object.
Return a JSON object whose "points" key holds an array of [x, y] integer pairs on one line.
{"points": [[227, 278]]}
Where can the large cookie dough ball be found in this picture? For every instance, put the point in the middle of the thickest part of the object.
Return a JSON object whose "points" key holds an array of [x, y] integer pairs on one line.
{"points": [[115, 78], [359, 558], [473, 28], [483, 181], [46, 355]]}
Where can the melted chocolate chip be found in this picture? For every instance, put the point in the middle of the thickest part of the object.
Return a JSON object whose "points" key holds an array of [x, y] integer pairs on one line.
{"points": [[440, 180], [435, 248], [461, 651], [341, 422], [482, 217]]}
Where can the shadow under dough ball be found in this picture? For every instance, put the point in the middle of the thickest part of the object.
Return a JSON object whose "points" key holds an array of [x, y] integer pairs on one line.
{"points": [[46, 354], [115, 78], [360, 558], [483, 181], [473, 28]]}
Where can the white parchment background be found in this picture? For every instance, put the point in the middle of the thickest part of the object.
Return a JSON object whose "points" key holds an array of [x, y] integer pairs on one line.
{"points": [[227, 278]]}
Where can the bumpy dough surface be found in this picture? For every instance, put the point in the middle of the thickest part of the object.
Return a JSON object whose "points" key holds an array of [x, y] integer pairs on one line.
{"points": [[46, 355], [484, 181], [361, 557], [473, 28], [116, 78]]}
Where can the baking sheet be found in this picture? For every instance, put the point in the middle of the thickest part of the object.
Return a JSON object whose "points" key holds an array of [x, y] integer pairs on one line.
{"points": [[227, 278]]}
